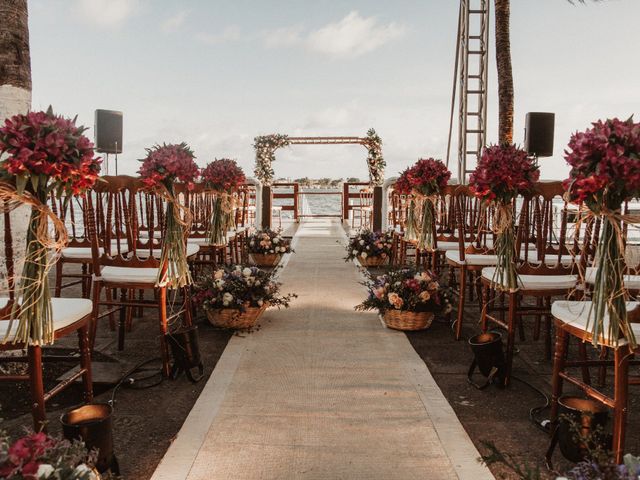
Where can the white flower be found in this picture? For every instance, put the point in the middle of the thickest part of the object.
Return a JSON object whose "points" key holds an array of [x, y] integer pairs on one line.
{"points": [[227, 298], [276, 240], [45, 470], [257, 284], [361, 242], [283, 249], [82, 470], [246, 272], [368, 247], [218, 274], [260, 303], [355, 252], [363, 254]]}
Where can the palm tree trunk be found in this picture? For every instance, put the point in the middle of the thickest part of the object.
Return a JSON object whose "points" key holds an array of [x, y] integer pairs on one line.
{"points": [[15, 60], [505, 75]]}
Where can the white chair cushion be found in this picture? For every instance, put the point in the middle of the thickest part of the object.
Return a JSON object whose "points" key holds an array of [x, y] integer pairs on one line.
{"points": [[143, 253], [446, 246], [66, 311], [471, 258], [538, 282], [84, 253], [576, 314], [630, 281], [129, 275], [204, 242]]}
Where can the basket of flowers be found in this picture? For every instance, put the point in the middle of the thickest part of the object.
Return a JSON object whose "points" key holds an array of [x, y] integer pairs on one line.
{"points": [[236, 296], [407, 299], [266, 248], [371, 249]]}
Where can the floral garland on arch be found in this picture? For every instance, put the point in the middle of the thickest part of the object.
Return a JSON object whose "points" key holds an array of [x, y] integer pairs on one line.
{"points": [[224, 177], [375, 160], [265, 147], [503, 173], [605, 172], [43, 154], [165, 165]]}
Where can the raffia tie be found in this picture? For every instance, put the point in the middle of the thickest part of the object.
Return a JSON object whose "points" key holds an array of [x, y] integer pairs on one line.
{"points": [[185, 219], [502, 219], [10, 199]]}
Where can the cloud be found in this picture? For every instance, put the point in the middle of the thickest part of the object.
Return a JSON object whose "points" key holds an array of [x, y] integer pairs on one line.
{"points": [[231, 33], [174, 22], [352, 36], [283, 37], [106, 13]]}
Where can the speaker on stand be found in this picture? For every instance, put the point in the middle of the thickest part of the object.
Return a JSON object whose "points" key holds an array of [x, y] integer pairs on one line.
{"points": [[538, 134], [108, 134]]}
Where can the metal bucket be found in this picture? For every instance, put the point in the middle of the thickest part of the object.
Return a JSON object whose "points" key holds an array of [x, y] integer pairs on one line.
{"points": [[487, 356], [92, 424], [581, 426]]}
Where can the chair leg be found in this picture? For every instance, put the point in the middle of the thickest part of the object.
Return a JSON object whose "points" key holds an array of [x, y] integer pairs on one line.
{"points": [[582, 352], [164, 348], [485, 308], [559, 359], [547, 327], [83, 281], [511, 335], [621, 400], [122, 321], [85, 363], [112, 319], [462, 287], [58, 290], [37, 388], [93, 328]]}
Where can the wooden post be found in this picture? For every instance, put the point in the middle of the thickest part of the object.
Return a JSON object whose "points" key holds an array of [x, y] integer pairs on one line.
{"points": [[266, 206], [345, 202], [377, 209], [296, 190]]}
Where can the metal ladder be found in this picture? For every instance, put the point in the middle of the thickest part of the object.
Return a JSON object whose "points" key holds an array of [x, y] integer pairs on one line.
{"points": [[470, 85]]}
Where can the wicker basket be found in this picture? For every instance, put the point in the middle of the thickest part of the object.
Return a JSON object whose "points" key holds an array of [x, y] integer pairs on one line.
{"points": [[373, 261], [403, 320], [234, 318], [265, 259]]}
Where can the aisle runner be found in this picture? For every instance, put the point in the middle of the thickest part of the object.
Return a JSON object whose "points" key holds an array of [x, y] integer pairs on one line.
{"points": [[321, 392]]}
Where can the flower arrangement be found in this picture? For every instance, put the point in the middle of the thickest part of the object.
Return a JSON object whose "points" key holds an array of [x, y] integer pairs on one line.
{"points": [[224, 177], [161, 169], [427, 178], [42, 153], [406, 289], [265, 247], [503, 173], [367, 246], [375, 160], [605, 172], [243, 290], [39, 456], [403, 187], [265, 147]]}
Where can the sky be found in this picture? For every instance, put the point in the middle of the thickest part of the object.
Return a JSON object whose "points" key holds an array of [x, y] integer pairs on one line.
{"points": [[218, 73]]}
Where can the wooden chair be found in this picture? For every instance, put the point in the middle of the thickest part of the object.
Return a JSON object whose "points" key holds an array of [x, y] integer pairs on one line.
{"points": [[546, 268], [364, 209], [125, 202], [70, 315], [572, 321]]}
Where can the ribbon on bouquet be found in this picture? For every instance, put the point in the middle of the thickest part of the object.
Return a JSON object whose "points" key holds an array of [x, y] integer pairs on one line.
{"points": [[505, 275], [426, 235], [30, 305]]}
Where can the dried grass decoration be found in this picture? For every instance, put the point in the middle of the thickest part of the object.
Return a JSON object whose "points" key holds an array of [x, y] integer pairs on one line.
{"points": [[163, 166], [44, 154], [224, 177], [503, 173], [605, 173]]}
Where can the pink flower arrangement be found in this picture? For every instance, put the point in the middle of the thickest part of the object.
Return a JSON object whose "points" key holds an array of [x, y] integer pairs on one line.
{"points": [[605, 164], [166, 164], [503, 172], [49, 150], [223, 175]]}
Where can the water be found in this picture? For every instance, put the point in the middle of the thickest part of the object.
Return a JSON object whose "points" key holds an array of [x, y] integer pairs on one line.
{"points": [[312, 203]]}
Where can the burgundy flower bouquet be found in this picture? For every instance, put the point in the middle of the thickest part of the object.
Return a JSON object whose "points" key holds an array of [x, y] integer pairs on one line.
{"points": [[605, 172], [224, 177], [503, 173], [427, 178], [42, 154], [161, 169]]}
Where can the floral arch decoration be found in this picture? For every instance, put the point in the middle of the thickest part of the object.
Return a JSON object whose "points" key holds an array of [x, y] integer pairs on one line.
{"points": [[267, 145]]}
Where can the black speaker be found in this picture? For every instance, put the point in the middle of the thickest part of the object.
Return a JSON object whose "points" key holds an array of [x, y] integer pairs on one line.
{"points": [[538, 133], [108, 129]]}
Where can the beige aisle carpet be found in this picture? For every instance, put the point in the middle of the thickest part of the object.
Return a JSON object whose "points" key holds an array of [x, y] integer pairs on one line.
{"points": [[321, 391]]}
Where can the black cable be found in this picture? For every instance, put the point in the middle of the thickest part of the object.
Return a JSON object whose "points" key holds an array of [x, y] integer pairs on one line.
{"points": [[540, 424], [128, 380]]}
